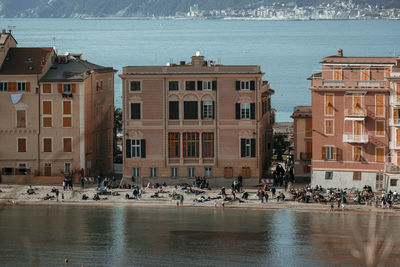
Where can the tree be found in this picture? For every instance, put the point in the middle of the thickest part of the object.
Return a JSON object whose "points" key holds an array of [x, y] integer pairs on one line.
{"points": [[281, 144]]}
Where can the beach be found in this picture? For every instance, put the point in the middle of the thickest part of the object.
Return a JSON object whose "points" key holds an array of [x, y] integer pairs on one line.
{"points": [[17, 195]]}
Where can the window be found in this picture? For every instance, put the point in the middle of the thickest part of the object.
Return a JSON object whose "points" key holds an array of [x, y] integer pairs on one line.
{"points": [[67, 144], [67, 88], [136, 148], [190, 172], [207, 85], [357, 175], [67, 122], [47, 112], [337, 74], [329, 127], [174, 172], [153, 172], [393, 182], [174, 110], [47, 146], [67, 167], [248, 148], [379, 105], [135, 85], [173, 145], [47, 169], [67, 113], [365, 74], [308, 127], [245, 85], [208, 145], [21, 86], [190, 85], [208, 172], [21, 144], [245, 111], [328, 175], [3, 86], [380, 128], [190, 145], [135, 111], [329, 153], [357, 153], [396, 115], [47, 88], [329, 104], [207, 110], [190, 110], [21, 119], [136, 172], [380, 154], [173, 85]]}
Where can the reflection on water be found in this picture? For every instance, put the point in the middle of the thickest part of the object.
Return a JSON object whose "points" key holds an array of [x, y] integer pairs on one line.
{"points": [[126, 236]]}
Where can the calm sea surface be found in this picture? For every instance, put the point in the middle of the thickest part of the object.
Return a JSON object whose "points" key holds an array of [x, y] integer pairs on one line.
{"points": [[288, 51], [128, 236]]}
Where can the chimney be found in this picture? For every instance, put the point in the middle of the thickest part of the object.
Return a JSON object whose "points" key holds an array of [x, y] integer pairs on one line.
{"points": [[3, 31], [340, 52]]}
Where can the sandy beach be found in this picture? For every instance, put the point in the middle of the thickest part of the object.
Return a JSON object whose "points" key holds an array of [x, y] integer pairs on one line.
{"points": [[17, 195]]}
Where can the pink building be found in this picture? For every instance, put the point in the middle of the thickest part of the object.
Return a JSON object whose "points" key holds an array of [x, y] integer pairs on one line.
{"points": [[57, 114], [351, 116], [196, 119]]}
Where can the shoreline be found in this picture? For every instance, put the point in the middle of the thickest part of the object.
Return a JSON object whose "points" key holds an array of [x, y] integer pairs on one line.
{"points": [[13, 195]]}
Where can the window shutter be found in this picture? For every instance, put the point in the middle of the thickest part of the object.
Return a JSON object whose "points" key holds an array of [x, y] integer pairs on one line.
{"points": [[173, 110], [128, 148], [28, 86], [253, 147], [47, 122], [397, 137], [12, 86], [67, 145], [21, 120], [135, 111], [47, 107], [201, 110], [67, 122], [60, 87], [47, 88], [395, 114], [214, 85], [199, 85], [252, 85], [143, 148], [243, 148], [21, 145], [324, 153], [213, 109], [238, 111], [66, 107], [335, 153], [73, 86], [237, 85], [252, 111], [47, 145]]}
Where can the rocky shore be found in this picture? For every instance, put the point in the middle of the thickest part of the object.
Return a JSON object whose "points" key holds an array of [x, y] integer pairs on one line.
{"points": [[17, 195]]}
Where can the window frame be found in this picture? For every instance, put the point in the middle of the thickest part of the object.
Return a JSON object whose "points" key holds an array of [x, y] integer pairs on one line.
{"points": [[207, 172], [140, 111], [353, 153], [131, 82], [136, 172], [136, 148], [245, 85], [153, 172], [330, 153], [26, 144], [174, 172], [245, 110], [3, 86], [175, 83], [333, 127], [63, 147], [51, 147], [174, 145], [208, 110], [190, 144], [65, 167], [191, 172], [383, 106], [207, 139], [328, 175], [67, 88], [376, 154], [21, 84], [207, 85], [325, 104], [376, 128]]}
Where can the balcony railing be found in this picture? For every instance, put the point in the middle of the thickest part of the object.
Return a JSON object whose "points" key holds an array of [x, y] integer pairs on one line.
{"points": [[395, 100], [394, 122], [362, 112], [392, 168], [306, 156], [352, 138], [394, 145]]}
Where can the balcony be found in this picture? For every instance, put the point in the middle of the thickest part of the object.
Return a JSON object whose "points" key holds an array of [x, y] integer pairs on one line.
{"points": [[394, 145], [352, 138], [359, 113], [306, 156], [392, 168], [395, 100], [394, 122]]}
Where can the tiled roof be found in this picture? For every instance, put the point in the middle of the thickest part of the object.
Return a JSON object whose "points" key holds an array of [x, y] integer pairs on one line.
{"points": [[360, 60], [25, 60]]}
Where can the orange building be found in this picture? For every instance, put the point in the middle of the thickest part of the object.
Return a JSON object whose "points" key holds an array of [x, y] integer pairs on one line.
{"points": [[196, 119], [350, 121], [57, 114]]}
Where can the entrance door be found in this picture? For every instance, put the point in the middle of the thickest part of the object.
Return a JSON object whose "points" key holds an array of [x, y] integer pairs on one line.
{"points": [[47, 169]]}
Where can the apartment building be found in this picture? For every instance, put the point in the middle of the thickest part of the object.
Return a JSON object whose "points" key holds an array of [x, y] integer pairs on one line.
{"points": [[302, 138], [57, 114], [350, 115], [196, 118]]}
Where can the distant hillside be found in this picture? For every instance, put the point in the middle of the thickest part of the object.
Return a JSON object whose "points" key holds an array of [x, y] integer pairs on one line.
{"points": [[130, 8]]}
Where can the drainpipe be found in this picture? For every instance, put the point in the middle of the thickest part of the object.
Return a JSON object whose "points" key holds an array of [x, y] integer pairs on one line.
{"points": [[216, 117], [39, 119], [165, 122]]}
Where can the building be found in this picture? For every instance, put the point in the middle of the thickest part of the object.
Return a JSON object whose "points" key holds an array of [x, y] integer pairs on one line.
{"points": [[196, 119], [57, 114], [350, 115], [302, 137]]}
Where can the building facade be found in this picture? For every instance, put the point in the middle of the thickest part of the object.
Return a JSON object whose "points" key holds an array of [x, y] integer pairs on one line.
{"points": [[196, 119], [302, 138], [350, 115], [57, 114]]}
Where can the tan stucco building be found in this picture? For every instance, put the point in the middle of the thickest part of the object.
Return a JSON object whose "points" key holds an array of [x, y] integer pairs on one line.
{"points": [[57, 114], [196, 118]]}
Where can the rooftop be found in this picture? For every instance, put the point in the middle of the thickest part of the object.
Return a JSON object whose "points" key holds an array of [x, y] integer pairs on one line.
{"points": [[26, 60], [339, 58], [4, 36], [302, 112]]}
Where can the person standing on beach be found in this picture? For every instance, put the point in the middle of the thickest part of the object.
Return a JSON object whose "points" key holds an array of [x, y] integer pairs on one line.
{"points": [[262, 196], [266, 196], [57, 192], [82, 182], [181, 200]]}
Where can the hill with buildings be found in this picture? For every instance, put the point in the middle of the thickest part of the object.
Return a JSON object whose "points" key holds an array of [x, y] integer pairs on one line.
{"points": [[274, 9]]}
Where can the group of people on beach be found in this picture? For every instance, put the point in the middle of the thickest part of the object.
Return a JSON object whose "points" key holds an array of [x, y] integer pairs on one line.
{"points": [[283, 177]]}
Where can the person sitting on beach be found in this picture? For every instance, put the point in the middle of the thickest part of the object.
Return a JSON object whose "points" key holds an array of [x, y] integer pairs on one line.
{"points": [[96, 197], [30, 190], [85, 197], [48, 197], [245, 195]]}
